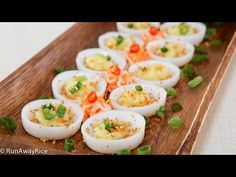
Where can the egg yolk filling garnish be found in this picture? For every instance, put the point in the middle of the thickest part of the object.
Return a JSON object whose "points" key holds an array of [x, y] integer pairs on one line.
{"points": [[155, 72], [135, 98], [77, 87], [170, 50], [99, 62], [119, 43], [111, 129], [181, 29], [53, 115]]}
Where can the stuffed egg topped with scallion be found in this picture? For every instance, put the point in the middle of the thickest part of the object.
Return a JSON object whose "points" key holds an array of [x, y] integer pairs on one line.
{"points": [[51, 119], [192, 32], [144, 99], [74, 85], [135, 28], [160, 73], [110, 131], [174, 51], [99, 60], [118, 42]]}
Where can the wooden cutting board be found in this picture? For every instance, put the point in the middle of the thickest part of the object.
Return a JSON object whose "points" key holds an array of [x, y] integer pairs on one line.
{"points": [[34, 78]]}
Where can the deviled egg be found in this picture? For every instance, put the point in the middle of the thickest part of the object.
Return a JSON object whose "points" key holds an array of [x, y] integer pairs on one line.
{"points": [[160, 73], [144, 99], [74, 85], [135, 28], [51, 119], [174, 51], [98, 60], [110, 131], [118, 42], [192, 32]]}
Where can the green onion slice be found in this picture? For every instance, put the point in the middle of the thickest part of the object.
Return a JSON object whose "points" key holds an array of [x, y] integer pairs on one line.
{"points": [[8, 123], [69, 145], [124, 152], [144, 150], [195, 82]]}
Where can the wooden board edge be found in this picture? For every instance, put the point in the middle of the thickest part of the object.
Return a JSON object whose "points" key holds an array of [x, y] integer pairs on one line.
{"points": [[189, 141]]}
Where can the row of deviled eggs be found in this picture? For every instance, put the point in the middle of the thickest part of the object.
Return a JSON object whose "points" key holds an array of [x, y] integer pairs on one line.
{"points": [[136, 88]]}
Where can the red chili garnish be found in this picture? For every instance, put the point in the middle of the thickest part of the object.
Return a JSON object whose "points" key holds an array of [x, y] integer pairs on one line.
{"points": [[92, 97], [115, 70], [153, 30], [134, 48]]}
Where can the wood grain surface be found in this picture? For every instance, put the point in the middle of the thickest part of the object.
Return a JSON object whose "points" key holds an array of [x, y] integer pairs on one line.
{"points": [[34, 78]]}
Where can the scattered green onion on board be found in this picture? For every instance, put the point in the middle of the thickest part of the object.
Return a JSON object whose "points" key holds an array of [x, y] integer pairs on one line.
{"points": [[175, 122], [195, 82], [210, 32], [189, 71], [161, 112], [61, 110], [119, 40], [61, 69], [147, 120], [144, 150], [199, 58], [175, 107], [8, 123], [200, 50], [171, 92], [124, 152], [69, 145], [216, 43], [139, 88], [46, 97]]}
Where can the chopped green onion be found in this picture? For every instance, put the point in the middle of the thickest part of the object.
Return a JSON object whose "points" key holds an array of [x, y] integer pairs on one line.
{"points": [[107, 124], [49, 106], [183, 29], [130, 25], [189, 71], [108, 58], [171, 92], [48, 114], [175, 122], [199, 58], [164, 49], [61, 110], [139, 88], [69, 145], [79, 85], [81, 78], [61, 69], [200, 49], [46, 97], [124, 152], [147, 120], [175, 107], [73, 89], [144, 150], [216, 43], [119, 40], [161, 112], [210, 32], [8, 123], [195, 82]]}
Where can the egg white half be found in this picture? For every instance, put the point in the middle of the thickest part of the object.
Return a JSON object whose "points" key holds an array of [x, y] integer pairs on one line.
{"points": [[118, 59], [161, 83], [50, 133], [178, 61], [148, 110], [112, 146], [137, 32], [63, 78], [194, 39]]}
